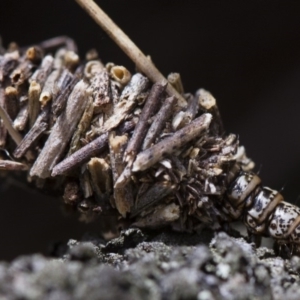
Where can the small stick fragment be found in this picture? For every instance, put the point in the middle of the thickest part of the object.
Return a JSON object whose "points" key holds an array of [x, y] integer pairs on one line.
{"points": [[209, 104], [123, 197], [100, 85], [136, 86], [42, 73], [33, 102], [11, 101], [3, 130], [62, 82], [124, 42], [71, 60], [82, 155], [169, 145], [22, 73], [61, 100], [34, 54], [9, 165], [156, 192], [49, 87], [150, 108], [159, 122], [57, 42], [120, 74], [16, 136], [8, 63], [61, 132], [100, 176], [22, 118], [82, 127], [175, 80], [39, 127]]}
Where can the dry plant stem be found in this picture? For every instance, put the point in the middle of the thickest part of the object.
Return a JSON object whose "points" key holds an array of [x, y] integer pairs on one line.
{"points": [[124, 42], [208, 103], [42, 73], [171, 144], [128, 100], [159, 122], [82, 127], [100, 176], [57, 42], [37, 130], [16, 136], [82, 155], [123, 197], [11, 101], [150, 108], [22, 118], [3, 130], [60, 102], [175, 80], [61, 132], [33, 102], [9, 165]]}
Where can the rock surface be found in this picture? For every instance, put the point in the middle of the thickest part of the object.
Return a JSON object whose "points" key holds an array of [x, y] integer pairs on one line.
{"points": [[164, 266]]}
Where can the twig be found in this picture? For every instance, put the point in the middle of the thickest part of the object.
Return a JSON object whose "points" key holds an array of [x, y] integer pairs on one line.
{"points": [[124, 42], [16, 136], [169, 145]]}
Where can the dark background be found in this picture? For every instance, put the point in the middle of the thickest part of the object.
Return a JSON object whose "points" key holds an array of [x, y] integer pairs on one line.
{"points": [[247, 53]]}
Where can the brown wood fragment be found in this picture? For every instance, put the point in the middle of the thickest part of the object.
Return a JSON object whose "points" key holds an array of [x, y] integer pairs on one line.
{"points": [[120, 74], [150, 108], [8, 63], [123, 197], [49, 87], [22, 118], [9, 165], [3, 130], [59, 41], [15, 135], [82, 127], [82, 155], [11, 101], [169, 145], [159, 122], [34, 54], [21, 73], [100, 85], [33, 135], [62, 82], [61, 132], [42, 73], [128, 98], [100, 172], [175, 80], [61, 100], [208, 104], [33, 102]]}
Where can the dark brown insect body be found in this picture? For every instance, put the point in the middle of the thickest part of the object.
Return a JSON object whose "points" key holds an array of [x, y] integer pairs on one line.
{"points": [[115, 143]]}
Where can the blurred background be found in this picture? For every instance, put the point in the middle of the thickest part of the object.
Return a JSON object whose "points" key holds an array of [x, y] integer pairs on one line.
{"points": [[247, 53]]}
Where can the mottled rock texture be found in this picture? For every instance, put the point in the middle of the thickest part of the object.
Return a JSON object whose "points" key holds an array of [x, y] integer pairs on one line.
{"points": [[138, 265]]}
